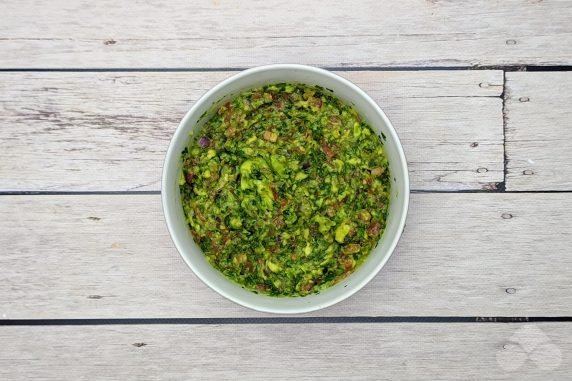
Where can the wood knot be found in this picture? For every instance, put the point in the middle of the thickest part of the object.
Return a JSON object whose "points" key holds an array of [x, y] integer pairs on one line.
{"points": [[94, 296], [482, 170], [94, 218], [139, 345], [524, 99], [474, 144], [506, 216], [527, 172], [110, 42], [510, 290], [511, 42]]}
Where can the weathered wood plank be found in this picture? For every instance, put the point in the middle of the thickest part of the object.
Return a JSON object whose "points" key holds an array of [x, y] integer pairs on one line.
{"points": [[539, 131], [288, 351], [221, 33], [472, 254], [109, 131]]}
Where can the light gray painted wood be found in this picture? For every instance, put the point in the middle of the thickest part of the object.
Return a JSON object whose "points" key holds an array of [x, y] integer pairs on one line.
{"points": [[539, 131], [222, 33], [288, 351], [472, 254], [109, 131]]}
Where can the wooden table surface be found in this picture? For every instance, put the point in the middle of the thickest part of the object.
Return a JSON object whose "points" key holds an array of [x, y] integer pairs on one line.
{"points": [[91, 286]]}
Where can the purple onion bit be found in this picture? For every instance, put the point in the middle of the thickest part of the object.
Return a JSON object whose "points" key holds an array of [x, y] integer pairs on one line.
{"points": [[204, 142]]}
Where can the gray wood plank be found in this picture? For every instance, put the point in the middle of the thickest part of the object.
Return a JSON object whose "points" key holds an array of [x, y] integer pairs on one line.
{"points": [[109, 131], [471, 254], [220, 33], [289, 351], [539, 131]]}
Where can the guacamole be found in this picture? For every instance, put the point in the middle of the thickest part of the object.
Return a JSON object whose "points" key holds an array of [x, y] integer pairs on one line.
{"points": [[285, 189]]}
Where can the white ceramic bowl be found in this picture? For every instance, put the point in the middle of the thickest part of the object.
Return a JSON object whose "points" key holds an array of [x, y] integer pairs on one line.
{"points": [[181, 234]]}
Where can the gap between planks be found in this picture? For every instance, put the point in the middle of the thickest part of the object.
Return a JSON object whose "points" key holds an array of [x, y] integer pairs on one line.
{"points": [[143, 193], [506, 68], [289, 320]]}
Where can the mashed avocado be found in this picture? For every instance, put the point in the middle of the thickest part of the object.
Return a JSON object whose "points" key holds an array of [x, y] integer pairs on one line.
{"points": [[285, 189]]}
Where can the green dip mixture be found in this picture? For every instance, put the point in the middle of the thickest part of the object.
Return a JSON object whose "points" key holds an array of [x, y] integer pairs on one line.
{"points": [[285, 189]]}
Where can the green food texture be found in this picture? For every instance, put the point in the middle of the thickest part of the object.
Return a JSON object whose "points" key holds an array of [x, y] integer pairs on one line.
{"points": [[285, 189]]}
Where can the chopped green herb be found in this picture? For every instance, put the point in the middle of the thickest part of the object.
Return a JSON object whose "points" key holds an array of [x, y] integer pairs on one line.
{"points": [[285, 189]]}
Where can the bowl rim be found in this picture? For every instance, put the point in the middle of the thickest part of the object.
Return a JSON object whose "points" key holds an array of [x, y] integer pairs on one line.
{"points": [[172, 155]]}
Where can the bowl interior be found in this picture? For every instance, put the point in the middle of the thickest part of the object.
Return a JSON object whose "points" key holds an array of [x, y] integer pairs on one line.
{"points": [[193, 121]]}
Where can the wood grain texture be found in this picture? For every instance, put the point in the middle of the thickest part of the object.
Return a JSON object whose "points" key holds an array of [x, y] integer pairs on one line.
{"points": [[289, 351], [538, 131], [472, 254], [223, 33], [109, 131]]}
